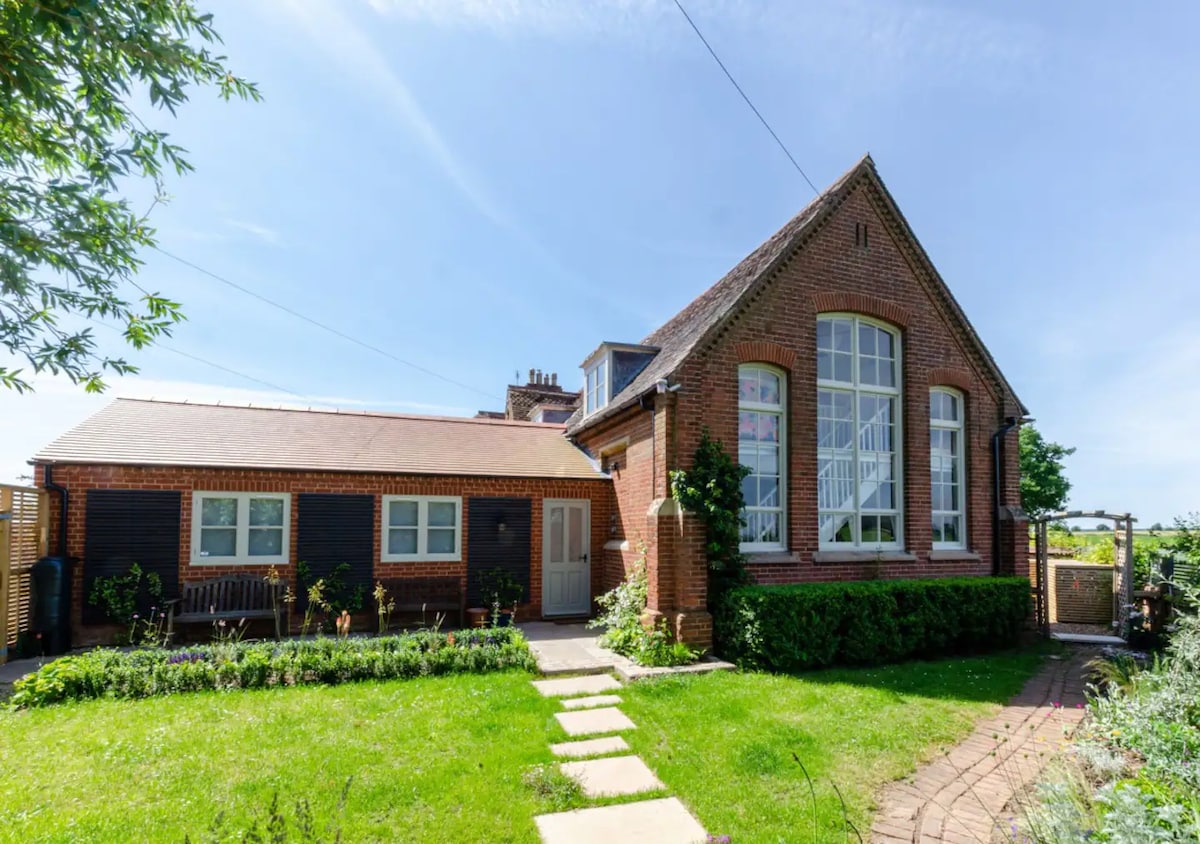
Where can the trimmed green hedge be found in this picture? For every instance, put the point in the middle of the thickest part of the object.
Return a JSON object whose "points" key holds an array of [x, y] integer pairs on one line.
{"points": [[811, 625], [249, 665]]}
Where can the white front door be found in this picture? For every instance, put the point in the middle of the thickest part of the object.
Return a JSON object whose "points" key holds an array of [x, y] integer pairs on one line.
{"points": [[566, 567]]}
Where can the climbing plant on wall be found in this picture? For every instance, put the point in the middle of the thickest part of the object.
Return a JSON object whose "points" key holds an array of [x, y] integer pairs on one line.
{"points": [[712, 490]]}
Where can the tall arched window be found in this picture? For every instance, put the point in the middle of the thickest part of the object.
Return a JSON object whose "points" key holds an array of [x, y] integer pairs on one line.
{"points": [[946, 480], [858, 433], [762, 434]]}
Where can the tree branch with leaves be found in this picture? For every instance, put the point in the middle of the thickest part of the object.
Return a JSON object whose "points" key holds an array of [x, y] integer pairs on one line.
{"points": [[1044, 484], [70, 141]]}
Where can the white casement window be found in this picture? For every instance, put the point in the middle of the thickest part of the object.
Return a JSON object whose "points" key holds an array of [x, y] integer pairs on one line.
{"points": [[946, 476], [422, 528], [762, 438], [596, 387], [859, 472], [240, 528]]}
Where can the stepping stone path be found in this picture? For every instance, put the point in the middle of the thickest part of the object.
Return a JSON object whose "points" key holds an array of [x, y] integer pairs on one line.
{"points": [[589, 711], [588, 702]]}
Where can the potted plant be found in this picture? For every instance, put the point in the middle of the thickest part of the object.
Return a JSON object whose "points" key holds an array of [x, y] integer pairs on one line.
{"points": [[501, 593]]}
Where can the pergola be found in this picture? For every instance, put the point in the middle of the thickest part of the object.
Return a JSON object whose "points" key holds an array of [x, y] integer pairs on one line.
{"points": [[1122, 562]]}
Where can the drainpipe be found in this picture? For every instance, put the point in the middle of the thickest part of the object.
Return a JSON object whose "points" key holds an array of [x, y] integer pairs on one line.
{"points": [[62, 508], [1010, 422]]}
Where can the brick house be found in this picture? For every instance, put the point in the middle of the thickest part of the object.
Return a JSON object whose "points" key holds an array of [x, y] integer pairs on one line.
{"points": [[833, 359]]}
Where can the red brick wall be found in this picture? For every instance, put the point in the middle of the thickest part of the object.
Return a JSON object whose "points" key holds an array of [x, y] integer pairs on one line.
{"points": [[79, 479], [627, 444], [832, 274], [779, 327]]}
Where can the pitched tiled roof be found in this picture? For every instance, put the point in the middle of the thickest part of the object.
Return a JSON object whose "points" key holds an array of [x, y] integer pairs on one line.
{"points": [[692, 326], [684, 331], [132, 431]]}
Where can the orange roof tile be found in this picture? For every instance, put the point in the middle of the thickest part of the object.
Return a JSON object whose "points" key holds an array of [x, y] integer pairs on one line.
{"points": [[139, 432]]}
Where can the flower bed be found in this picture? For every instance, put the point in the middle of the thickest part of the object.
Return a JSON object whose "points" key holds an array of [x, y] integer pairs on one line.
{"points": [[251, 665], [1132, 773]]}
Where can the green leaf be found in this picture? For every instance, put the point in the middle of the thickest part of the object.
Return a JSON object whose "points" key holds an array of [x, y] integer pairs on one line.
{"points": [[69, 241]]}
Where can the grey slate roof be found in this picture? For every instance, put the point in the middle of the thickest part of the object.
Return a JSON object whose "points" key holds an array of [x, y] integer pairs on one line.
{"points": [[691, 327], [158, 433]]}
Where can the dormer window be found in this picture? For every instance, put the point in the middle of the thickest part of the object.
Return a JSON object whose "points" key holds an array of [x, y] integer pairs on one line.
{"points": [[596, 389], [609, 370]]}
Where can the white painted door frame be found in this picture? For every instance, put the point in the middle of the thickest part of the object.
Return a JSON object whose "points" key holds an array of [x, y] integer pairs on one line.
{"points": [[566, 583]]}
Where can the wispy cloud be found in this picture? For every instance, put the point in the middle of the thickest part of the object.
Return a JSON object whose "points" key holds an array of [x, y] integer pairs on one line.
{"points": [[870, 35], [232, 229], [331, 28], [260, 232], [555, 18]]}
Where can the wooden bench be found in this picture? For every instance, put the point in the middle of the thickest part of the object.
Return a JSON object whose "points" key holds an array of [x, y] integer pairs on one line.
{"points": [[428, 595], [235, 596]]}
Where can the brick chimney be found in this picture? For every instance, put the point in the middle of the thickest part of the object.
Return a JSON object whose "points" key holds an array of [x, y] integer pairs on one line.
{"points": [[542, 390]]}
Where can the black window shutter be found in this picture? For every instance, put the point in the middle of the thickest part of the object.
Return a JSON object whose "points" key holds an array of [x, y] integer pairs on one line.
{"points": [[490, 547], [126, 526], [333, 529]]}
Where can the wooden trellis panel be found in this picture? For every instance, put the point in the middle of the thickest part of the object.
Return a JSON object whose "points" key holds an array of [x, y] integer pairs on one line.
{"points": [[24, 532]]}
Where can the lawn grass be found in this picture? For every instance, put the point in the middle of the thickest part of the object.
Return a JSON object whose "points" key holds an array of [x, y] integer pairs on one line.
{"points": [[723, 742], [437, 759], [442, 758]]}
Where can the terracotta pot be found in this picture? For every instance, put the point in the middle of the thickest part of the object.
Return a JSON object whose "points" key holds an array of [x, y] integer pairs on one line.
{"points": [[477, 617]]}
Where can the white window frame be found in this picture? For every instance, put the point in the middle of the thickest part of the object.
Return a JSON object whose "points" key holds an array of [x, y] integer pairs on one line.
{"points": [[856, 389], [779, 410], [242, 545], [958, 426], [422, 554], [595, 385]]}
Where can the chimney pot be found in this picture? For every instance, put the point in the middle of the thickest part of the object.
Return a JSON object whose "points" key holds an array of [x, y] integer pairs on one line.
{"points": [[531, 376], [554, 379]]}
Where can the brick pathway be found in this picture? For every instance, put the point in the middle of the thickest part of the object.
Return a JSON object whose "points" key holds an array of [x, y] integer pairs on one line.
{"points": [[960, 797]]}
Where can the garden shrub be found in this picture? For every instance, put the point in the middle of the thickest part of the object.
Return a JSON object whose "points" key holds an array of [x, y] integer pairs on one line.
{"points": [[621, 614], [790, 628], [250, 665]]}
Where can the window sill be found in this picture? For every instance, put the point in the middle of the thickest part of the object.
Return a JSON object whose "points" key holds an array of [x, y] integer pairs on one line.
{"points": [[951, 554], [426, 559], [768, 558], [864, 557], [237, 561]]}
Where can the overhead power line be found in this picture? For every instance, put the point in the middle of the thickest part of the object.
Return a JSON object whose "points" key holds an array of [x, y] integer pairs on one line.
{"points": [[735, 84], [231, 371], [207, 362], [323, 326]]}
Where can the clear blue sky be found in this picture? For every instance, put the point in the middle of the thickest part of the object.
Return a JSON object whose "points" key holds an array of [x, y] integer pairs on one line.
{"points": [[484, 187]]}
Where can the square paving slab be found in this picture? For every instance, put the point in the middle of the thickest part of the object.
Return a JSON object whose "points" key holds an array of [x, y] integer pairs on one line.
{"points": [[612, 777], [570, 686], [588, 702], [663, 821], [589, 721], [590, 747]]}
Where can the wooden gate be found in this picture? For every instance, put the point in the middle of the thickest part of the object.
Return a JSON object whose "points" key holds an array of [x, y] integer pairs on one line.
{"points": [[24, 534]]}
